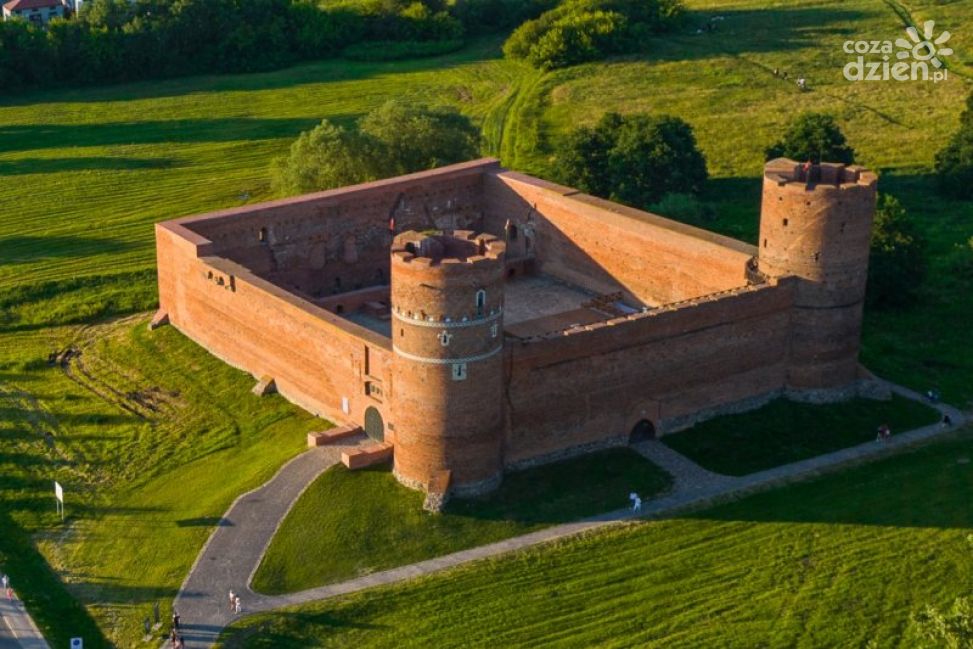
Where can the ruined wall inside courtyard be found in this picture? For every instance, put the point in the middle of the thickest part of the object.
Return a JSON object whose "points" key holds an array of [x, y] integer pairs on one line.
{"points": [[607, 247], [593, 384], [336, 241]]}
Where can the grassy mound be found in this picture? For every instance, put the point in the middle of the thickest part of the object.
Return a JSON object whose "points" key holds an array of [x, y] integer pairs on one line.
{"points": [[786, 431], [350, 523]]}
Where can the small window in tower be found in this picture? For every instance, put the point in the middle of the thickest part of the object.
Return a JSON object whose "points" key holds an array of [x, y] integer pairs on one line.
{"points": [[513, 232], [480, 301], [765, 243], [817, 256], [401, 333], [785, 223], [262, 236], [459, 371]]}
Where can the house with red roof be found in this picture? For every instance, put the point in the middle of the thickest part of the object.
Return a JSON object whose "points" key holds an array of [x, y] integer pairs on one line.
{"points": [[35, 11]]}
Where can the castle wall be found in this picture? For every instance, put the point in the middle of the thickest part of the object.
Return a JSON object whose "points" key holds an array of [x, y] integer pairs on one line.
{"points": [[607, 247], [336, 241], [589, 384], [317, 359]]}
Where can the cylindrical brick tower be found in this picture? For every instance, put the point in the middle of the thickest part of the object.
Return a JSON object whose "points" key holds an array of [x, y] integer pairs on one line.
{"points": [[447, 372], [816, 224]]}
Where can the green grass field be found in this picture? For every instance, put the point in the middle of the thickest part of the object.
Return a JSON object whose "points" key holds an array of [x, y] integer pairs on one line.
{"points": [[785, 431], [87, 172], [842, 561], [139, 430], [346, 522]]}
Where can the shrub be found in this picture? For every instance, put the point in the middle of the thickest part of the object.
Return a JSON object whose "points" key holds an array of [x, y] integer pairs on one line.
{"points": [[636, 159], [327, 156], [897, 263], [683, 207], [587, 30], [415, 137], [394, 139], [954, 163], [815, 137], [952, 629]]}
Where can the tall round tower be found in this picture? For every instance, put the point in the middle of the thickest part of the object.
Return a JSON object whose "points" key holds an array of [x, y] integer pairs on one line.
{"points": [[816, 224], [447, 373]]}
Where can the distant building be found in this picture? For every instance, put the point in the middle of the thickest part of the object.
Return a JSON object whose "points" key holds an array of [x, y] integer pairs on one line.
{"points": [[39, 12]]}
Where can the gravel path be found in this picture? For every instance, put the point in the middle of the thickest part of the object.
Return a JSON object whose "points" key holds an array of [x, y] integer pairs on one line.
{"points": [[234, 551]]}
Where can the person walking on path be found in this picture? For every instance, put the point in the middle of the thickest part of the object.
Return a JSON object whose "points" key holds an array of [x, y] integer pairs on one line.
{"points": [[175, 621], [6, 581], [236, 605], [232, 600]]}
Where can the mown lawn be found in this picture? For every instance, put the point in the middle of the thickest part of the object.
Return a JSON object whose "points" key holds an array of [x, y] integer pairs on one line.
{"points": [[842, 561], [152, 439], [350, 523], [85, 173], [786, 431]]}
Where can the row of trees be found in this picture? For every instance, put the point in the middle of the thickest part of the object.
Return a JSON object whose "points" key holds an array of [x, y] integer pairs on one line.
{"points": [[586, 30], [118, 40]]}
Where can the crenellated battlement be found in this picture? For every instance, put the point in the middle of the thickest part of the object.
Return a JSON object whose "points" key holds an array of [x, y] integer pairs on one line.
{"points": [[451, 252], [826, 177]]}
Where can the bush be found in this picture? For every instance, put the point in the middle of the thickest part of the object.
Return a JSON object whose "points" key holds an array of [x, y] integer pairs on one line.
{"points": [[394, 139], [952, 629], [815, 137], [587, 30], [416, 137], [635, 160], [326, 156], [954, 163], [897, 263]]}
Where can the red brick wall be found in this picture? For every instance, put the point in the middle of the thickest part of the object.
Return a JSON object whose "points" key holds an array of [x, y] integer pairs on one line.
{"points": [[315, 357], [578, 388], [607, 247]]}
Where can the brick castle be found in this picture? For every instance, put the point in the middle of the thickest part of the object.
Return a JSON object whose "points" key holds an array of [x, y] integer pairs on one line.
{"points": [[475, 319]]}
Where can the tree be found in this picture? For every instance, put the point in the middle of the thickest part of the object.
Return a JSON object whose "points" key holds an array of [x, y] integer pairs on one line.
{"points": [[815, 137], [394, 139], [897, 263], [952, 629], [325, 157], [954, 163], [636, 159], [416, 137]]}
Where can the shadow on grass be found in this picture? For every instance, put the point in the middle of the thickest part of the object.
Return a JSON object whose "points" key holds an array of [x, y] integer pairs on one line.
{"points": [[55, 611], [26, 248], [746, 31], [568, 490], [929, 487], [306, 73], [30, 137], [26, 166], [205, 521]]}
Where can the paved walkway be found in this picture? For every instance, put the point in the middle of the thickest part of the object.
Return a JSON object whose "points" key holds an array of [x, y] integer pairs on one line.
{"points": [[17, 629], [234, 552]]}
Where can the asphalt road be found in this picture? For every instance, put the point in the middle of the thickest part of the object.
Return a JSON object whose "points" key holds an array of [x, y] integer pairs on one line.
{"points": [[7, 639]]}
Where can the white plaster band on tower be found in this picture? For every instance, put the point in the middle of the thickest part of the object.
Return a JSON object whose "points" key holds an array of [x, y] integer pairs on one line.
{"points": [[447, 361], [452, 324]]}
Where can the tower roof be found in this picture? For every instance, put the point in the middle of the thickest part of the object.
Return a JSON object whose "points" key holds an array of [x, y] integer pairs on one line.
{"points": [[785, 171]]}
